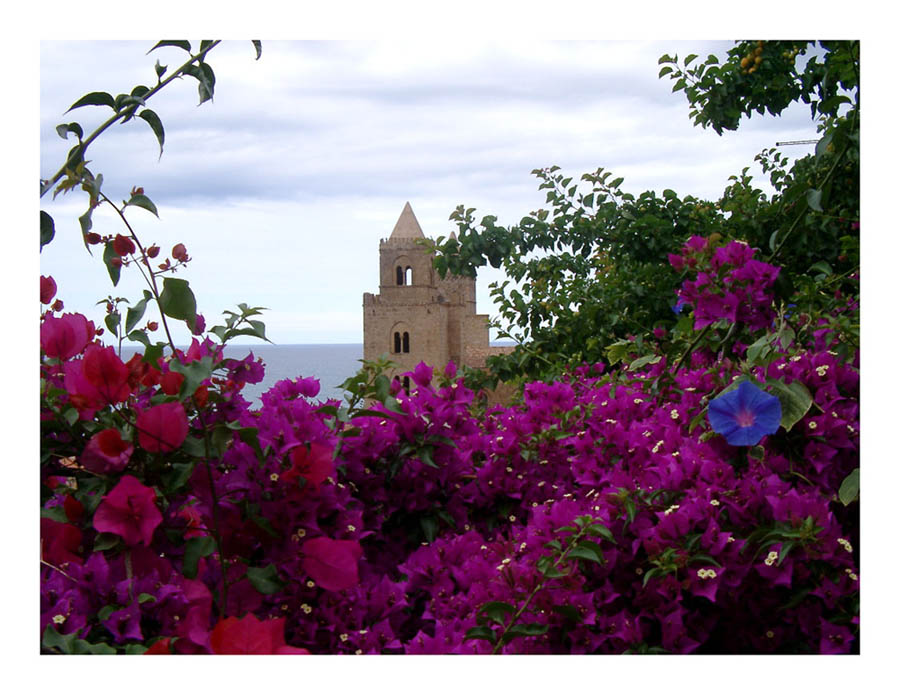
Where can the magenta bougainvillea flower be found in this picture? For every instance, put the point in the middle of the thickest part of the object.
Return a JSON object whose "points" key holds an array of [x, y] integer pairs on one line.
{"points": [[162, 428], [249, 635], [106, 452], [745, 415], [48, 289], [313, 464], [129, 511], [332, 564], [65, 336], [422, 374]]}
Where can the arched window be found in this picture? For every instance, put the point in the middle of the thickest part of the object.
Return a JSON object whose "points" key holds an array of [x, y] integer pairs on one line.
{"points": [[406, 384], [405, 341], [408, 276], [397, 342], [399, 274]]}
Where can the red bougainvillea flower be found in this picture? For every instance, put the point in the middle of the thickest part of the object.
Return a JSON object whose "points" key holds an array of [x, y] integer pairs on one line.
{"points": [[160, 647], [122, 245], [249, 635], [314, 464], [107, 373], [65, 336], [332, 564], [179, 253], [170, 383], [129, 510], [48, 289], [59, 542], [162, 428], [106, 452]]}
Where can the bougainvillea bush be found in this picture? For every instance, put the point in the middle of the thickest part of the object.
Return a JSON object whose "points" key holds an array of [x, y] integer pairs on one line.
{"points": [[696, 492], [602, 514]]}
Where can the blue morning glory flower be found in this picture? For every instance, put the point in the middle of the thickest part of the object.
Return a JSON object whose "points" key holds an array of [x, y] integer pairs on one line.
{"points": [[745, 415]]}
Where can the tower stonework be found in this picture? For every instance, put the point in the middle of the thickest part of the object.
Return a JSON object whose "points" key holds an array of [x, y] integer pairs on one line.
{"points": [[417, 316]]}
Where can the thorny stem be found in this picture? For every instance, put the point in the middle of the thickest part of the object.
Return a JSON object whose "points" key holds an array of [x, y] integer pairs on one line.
{"points": [[151, 280], [217, 536], [572, 540], [121, 113], [689, 350]]}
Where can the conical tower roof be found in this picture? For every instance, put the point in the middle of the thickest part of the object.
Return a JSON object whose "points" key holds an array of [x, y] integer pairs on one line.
{"points": [[407, 226]]}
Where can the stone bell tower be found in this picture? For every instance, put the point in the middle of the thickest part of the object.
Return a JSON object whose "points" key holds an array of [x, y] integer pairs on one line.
{"points": [[417, 316]]}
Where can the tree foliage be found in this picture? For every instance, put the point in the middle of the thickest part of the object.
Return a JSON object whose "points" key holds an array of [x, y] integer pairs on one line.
{"points": [[592, 269]]}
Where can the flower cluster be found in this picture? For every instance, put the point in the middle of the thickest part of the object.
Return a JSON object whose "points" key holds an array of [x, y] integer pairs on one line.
{"points": [[601, 511], [725, 282]]}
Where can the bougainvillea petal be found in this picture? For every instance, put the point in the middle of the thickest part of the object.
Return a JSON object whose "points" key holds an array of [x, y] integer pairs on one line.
{"points": [[162, 428], [332, 564]]}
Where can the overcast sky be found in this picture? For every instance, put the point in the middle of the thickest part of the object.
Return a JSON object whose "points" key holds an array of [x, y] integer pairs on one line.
{"points": [[282, 187]]}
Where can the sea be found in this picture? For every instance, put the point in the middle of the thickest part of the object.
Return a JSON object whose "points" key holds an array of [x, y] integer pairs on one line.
{"points": [[330, 364]]}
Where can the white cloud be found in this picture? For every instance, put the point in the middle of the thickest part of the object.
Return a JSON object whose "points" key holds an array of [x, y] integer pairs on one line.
{"points": [[281, 188]]}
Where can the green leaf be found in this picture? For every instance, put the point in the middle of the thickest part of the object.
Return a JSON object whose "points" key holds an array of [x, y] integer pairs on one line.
{"points": [[86, 223], [70, 644], [382, 387], [112, 322], [600, 530], [525, 630], [48, 229], [114, 270], [156, 125], [257, 44], [849, 490], [822, 145], [194, 549], [425, 455], [175, 476], [139, 337], [195, 373], [665, 71], [759, 349], [585, 553], [94, 99], [64, 129], [689, 59], [481, 632], [265, 579], [814, 199], [142, 201], [186, 45], [136, 313], [497, 611], [643, 361], [177, 300], [429, 527], [795, 401], [206, 80], [822, 267], [153, 353]]}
